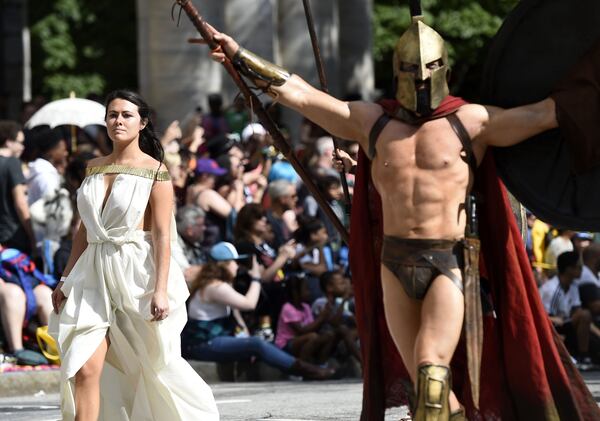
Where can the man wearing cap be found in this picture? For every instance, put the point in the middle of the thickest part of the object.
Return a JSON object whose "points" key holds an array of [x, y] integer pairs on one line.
{"points": [[424, 148]]}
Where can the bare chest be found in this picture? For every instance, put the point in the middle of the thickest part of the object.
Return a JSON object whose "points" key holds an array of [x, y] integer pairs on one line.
{"points": [[432, 150]]}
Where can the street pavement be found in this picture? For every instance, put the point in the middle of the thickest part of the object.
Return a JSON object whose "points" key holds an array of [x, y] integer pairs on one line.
{"points": [[264, 401]]}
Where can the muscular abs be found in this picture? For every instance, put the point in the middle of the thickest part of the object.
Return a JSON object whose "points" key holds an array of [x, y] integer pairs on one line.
{"points": [[422, 179]]}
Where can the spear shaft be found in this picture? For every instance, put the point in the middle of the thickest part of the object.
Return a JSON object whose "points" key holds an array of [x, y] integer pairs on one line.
{"points": [[323, 81], [280, 143]]}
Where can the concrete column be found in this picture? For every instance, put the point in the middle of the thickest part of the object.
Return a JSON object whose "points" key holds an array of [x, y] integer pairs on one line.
{"points": [[356, 39], [295, 48], [252, 24], [175, 76]]}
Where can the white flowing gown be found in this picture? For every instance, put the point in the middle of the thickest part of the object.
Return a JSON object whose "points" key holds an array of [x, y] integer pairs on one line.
{"points": [[109, 292]]}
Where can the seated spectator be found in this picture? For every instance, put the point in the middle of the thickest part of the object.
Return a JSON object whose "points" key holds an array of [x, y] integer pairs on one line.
{"points": [[561, 300], [558, 246], [189, 253], [280, 214], [220, 215], [342, 320], [297, 329], [588, 283], [331, 186], [251, 229], [24, 293], [50, 162], [313, 254], [209, 333]]}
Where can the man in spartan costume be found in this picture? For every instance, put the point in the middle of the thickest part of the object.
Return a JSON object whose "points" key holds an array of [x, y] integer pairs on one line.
{"points": [[429, 329]]}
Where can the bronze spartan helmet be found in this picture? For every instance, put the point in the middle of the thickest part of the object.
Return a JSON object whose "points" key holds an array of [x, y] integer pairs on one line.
{"points": [[420, 57]]}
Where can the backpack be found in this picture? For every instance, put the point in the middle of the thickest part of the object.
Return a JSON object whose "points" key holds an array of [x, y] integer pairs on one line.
{"points": [[17, 268]]}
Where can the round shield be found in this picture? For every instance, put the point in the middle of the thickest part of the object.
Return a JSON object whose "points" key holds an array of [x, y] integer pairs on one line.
{"points": [[538, 43]]}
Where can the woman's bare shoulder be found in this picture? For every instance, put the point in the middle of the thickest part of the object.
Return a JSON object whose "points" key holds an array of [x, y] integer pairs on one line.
{"points": [[97, 162]]}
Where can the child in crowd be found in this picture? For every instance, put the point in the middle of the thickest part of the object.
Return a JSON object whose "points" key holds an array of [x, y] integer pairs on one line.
{"points": [[297, 330], [341, 321], [214, 310], [313, 253]]}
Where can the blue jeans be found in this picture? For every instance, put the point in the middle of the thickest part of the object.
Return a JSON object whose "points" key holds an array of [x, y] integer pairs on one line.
{"points": [[224, 349]]}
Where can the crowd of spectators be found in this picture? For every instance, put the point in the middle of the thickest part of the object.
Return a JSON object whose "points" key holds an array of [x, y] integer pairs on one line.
{"points": [[566, 265], [286, 296]]}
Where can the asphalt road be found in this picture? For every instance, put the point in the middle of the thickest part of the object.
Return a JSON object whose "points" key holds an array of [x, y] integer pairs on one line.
{"points": [[272, 401], [265, 401]]}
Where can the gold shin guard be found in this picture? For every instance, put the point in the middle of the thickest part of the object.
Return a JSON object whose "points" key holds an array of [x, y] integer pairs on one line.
{"points": [[433, 392], [458, 415]]}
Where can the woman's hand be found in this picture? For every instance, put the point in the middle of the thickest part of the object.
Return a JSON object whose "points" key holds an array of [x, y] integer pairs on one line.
{"points": [[159, 306], [58, 297]]}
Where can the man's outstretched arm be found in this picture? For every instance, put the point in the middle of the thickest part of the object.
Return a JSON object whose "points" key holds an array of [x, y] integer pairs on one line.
{"points": [[507, 127], [347, 120]]}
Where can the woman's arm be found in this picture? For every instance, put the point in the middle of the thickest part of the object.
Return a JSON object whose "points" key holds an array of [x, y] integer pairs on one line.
{"points": [[212, 201], [161, 203], [79, 245], [223, 293]]}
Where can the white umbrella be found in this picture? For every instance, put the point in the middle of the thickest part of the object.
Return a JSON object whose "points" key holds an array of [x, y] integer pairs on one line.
{"points": [[69, 111]]}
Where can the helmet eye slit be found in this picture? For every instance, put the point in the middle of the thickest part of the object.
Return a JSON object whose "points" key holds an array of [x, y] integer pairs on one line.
{"points": [[409, 67]]}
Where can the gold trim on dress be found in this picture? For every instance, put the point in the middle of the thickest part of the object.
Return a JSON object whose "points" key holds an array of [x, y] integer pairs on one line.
{"points": [[124, 169]]}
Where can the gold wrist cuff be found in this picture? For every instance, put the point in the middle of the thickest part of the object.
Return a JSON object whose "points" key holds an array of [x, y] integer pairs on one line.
{"points": [[259, 69]]}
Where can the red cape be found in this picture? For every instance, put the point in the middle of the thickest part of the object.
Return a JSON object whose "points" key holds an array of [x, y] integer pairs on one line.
{"points": [[526, 373]]}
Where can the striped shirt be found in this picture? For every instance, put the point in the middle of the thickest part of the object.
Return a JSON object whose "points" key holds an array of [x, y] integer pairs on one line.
{"points": [[556, 300]]}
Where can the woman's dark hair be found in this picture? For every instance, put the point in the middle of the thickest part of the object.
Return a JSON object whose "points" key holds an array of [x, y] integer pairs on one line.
{"points": [[307, 226], [149, 142], [211, 271], [246, 218]]}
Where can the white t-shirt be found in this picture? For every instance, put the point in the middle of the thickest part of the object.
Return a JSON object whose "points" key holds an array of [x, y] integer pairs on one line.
{"points": [[43, 178], [587, 277], [556, 301], [198, 309], [557, 246]]}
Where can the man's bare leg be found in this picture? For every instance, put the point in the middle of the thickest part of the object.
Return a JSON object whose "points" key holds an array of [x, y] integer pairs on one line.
{"points": [[403, 317], [442, 316], [87, 385]]}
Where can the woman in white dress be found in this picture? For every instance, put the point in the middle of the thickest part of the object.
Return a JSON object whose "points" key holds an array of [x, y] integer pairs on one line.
{"points": [[120, 308]]}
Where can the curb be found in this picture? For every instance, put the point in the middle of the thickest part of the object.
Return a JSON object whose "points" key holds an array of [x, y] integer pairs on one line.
{"points": [[27, 383]]}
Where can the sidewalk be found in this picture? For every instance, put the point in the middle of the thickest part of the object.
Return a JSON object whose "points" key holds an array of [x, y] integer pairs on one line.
{"points": [[30, 381]]}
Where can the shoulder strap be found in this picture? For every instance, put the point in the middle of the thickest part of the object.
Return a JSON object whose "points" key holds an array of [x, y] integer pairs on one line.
{"points": [[465, 139], [376, 130]]}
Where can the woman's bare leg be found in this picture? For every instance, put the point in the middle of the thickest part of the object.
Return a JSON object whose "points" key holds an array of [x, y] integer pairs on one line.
{"points": [[87, 385]]}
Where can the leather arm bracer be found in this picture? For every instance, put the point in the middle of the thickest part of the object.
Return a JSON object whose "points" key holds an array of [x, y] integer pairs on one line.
{"points": [[259, 70]]}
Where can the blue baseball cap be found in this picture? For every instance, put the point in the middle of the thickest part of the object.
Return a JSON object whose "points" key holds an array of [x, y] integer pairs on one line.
{"points": [[225, 251]]}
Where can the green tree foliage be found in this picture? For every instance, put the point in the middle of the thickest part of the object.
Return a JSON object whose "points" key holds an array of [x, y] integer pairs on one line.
{"points": [[82, 46], [466, 25]]}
